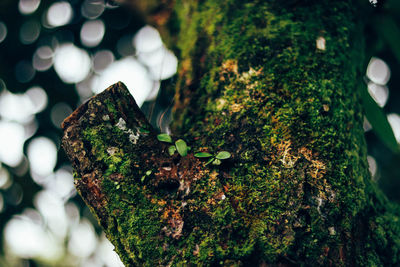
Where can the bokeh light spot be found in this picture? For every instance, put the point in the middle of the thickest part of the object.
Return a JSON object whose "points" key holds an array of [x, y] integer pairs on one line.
{"points": [[378, 71], [42, 58], [83, 240], [59, 14], [62, 184], [28, 239], [92, 32], [14, 195], [166, 66], [24, 71], [130, 72], [11, 143], [38, 98], [3, 31], [29, 32], [379, 93], [394, 120], [59, 112], [92, 9], [124, 46], [42, 155], [71, 63], [102, 59], [147, 39], [373, 166], [27, 7], [1, 202], [16, 107], [105, 251], [5, 179], [51, 207]]}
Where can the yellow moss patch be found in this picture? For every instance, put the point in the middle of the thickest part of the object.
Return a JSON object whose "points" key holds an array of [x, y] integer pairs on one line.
{"points": [[236, 107], [286, 156], [317, 168]]}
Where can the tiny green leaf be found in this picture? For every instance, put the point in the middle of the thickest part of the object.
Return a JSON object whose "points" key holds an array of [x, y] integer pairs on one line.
{"points": [[216, 162], [181, 147], [202, 155], [171, 150], [143, 178], [148, 172], [164, 138], [223, 155]]}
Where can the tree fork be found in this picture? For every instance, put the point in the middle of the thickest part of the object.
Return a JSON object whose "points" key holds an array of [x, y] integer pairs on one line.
{"points": [[275, 85]]}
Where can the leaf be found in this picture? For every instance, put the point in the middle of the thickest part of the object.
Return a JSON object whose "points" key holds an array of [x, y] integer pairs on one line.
{"points": [[171, 150], [202, 155], [378, 120], [164, 138], [181, 147], [216, 162], [223, 155]]}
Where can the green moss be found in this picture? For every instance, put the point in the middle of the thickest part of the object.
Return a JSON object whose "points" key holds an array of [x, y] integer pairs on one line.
{"points": [[297, 187], [291, 114]]}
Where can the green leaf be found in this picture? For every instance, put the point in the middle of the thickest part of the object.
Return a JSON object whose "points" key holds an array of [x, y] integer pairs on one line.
{"points": [[164, 138], [181, 147], [216, 162], [171, 150], [378, 120], [223, 155], [149, 172], [202, 155]]}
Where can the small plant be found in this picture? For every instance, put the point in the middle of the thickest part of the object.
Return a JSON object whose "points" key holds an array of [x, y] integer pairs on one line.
{"points": [[215, 160], [171, 150], [182, 148], [180, 145], [146, 175], [164, 138]]}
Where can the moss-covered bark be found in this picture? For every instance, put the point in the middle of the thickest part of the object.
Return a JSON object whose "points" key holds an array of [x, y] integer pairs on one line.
{"points": [[275, 84]]}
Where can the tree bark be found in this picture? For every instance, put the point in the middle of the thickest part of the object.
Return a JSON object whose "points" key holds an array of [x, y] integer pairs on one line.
{"points": [[275, 84]]}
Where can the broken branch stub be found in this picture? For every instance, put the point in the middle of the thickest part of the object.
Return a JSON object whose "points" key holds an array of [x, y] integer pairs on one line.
{"points": [[124, 174]]}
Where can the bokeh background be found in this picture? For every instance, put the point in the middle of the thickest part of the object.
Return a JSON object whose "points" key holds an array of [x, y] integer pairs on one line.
{"points": [[54, 55]]}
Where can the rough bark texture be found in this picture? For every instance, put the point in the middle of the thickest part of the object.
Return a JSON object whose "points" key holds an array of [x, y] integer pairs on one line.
{"points": [[254, 82]]}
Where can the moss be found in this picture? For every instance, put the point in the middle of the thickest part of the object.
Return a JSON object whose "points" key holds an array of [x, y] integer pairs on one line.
{"points": [[296, 191], [289, 112]]}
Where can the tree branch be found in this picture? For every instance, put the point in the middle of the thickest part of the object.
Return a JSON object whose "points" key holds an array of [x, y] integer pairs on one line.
{"points": [[126, 176]]}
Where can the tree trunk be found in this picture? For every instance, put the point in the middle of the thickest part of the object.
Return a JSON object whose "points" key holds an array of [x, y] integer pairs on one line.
{"points": [[275, 84]]}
